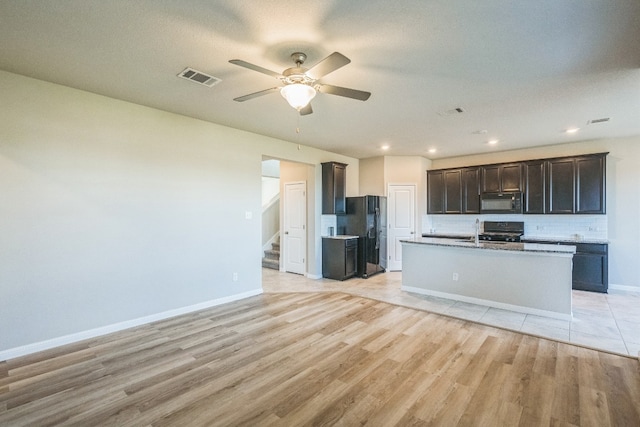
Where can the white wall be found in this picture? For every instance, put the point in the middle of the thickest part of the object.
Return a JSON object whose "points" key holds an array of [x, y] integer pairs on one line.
{"points": [[112, 212], [623, 197]]}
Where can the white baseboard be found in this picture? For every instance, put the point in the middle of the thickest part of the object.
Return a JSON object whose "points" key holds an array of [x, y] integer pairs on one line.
{"points": [[314, 276], [103, 330], [625, 288], [489, 303]]}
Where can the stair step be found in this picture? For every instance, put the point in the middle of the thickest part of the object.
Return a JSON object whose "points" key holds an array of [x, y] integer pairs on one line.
{"points": [[271, 254], [271, 263], [275, 246]]}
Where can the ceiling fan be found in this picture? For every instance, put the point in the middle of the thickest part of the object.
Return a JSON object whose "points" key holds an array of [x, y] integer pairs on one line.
{"points": [[302, 84]]}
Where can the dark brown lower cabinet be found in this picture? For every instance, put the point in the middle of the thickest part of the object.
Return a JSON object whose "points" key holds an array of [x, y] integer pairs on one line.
{"points": [[590, 265], [339, 257]]}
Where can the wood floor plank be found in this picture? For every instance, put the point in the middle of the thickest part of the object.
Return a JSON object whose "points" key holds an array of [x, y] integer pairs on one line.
{"points": [[319, 359]]}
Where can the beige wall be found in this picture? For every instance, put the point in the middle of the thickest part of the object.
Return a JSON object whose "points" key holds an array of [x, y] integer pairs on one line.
{"points": [[623, 196], [113, 212], [377, 173], [372, 177]]}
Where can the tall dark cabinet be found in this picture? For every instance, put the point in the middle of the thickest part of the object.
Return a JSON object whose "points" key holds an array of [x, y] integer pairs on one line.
{"points": [[334, 179]]}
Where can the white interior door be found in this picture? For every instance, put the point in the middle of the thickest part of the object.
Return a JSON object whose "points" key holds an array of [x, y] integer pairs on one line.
{"points": [[401, 217], [295, 227]]}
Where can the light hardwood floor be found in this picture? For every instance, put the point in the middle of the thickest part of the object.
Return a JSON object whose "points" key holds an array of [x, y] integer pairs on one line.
{"points": [[328, 358]]}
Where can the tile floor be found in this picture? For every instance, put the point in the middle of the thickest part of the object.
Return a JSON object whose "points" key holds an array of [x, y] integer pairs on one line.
{"points": [[608, 322]]}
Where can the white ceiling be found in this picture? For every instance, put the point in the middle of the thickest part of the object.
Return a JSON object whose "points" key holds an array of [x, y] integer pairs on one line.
{"points": [[524, 71]]}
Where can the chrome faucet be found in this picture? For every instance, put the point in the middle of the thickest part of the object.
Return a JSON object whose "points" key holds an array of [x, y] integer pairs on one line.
{"points": [[477, 231]]}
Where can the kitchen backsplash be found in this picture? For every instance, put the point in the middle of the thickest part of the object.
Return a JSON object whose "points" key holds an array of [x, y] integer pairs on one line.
{"points": [[560, 227], [326, 222]]}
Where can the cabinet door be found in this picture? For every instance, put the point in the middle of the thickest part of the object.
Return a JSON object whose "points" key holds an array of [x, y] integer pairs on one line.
{"points": [[339, 185], [560, 186], [435, 192], [590, 272], [590, 185], [471, 190], [491, 179], [511, 177], [333, 188], [453, 191], [351, 258], [534, 187]]}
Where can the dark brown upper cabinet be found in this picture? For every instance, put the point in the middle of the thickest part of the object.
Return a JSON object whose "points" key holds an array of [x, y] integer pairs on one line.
{"points": [[590, 184], [560, 186], [471, 190], [453, 191], [502, 178], [577, 185], [534, 190], [435, 192], [566, 185], [334, 180]]}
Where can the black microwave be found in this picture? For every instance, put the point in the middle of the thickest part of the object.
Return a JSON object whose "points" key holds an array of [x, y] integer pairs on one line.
{"points": [[501, 203]]}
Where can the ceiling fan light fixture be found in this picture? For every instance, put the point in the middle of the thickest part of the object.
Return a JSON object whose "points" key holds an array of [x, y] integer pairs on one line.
{"points": [[298, 95]]}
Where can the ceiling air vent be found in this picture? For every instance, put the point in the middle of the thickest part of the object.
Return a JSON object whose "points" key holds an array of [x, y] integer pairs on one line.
{"points": [[199, 77], [594, 121], [453, 111]]}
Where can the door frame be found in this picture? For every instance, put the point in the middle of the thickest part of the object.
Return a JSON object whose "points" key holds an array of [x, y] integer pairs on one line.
{"points": [[415, 212]]}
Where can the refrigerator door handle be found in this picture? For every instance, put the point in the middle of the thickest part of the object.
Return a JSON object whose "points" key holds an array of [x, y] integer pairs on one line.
{"points": [[377, 227]]}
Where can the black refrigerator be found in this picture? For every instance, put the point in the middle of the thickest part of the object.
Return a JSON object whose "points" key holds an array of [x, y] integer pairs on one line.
{"points": [[366, 218]]}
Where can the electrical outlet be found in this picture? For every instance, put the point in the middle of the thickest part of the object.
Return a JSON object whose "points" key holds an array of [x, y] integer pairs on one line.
{"points": [[235, 277], [455, 277]]}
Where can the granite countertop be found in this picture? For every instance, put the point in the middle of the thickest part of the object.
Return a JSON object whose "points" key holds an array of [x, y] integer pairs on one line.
{"points": [[505, 246], [563, 240], [532, 239], [448, 235], [340, 237]]}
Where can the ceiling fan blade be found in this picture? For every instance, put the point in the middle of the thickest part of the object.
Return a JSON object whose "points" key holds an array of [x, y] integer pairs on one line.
{"points": [[360, 95], [256, 94], [306, 110], [257, 68], [328, 65]]}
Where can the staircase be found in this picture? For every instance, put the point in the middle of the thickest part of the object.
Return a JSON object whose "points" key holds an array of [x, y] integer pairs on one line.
{"points": [[272, 256]]}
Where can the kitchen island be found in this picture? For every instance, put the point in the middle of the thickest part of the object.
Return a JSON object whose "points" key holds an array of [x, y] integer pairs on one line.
{"points": [[525, 277]]}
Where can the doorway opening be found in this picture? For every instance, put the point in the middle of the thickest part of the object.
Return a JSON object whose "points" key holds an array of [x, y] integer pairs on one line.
{"points": [[287, 215]]}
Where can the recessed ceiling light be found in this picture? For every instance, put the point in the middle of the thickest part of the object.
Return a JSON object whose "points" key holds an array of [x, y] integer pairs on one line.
{"points": [[572, 130], [432, 150], [492, 142], [385, 147]]}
